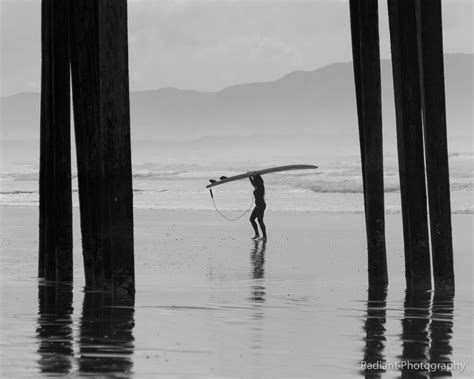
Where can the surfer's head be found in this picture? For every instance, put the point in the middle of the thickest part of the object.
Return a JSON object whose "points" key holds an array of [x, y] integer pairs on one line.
{"points": [[258, 181]]}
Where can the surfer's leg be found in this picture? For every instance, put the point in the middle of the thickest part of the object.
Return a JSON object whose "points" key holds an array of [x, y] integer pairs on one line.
{"points": [[253, 216], [262, 226], [261, 223]]}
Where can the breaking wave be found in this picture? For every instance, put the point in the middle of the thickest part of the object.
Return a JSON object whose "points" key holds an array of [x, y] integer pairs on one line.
{"points": [[335, 186]]}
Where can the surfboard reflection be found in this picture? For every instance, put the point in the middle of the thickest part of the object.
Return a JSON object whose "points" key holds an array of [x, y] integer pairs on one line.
{"points": [[54, 328], [106, 334]]}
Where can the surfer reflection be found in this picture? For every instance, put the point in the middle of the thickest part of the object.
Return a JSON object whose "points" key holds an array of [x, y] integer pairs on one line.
{"points": [[260, 205]]}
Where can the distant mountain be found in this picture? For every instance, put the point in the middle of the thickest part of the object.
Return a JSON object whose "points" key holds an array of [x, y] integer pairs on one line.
{"points": [[320, 102]]}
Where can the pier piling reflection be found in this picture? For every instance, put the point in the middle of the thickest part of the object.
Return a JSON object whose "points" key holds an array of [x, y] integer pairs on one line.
{"points": [[54, 328], [103, 343], [106, 334], [426, 333], [374, 328]]}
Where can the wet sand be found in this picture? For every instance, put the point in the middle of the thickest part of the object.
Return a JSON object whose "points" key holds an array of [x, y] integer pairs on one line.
{"points": [[211, 302]]}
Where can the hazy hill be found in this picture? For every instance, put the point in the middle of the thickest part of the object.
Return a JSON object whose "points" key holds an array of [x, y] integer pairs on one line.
{"points": [[320, 102]]}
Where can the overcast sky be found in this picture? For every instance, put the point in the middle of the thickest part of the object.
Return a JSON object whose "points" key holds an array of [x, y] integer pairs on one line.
{"points": [[208, 45]]}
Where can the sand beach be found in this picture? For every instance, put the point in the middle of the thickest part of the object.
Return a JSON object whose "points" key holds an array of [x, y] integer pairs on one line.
{"points": [[210, 302]]}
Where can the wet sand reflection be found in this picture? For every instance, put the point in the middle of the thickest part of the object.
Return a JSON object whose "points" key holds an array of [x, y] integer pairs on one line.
{"points": [[415, 334], [441, 330], [54, 331], [374, 328], [257, 300], [427, 332], [257, 257], [427, 328], [105, 342], [106, 333]]}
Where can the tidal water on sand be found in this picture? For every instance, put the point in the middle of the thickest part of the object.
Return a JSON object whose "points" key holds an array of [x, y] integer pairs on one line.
{"points": [[210, 302]]}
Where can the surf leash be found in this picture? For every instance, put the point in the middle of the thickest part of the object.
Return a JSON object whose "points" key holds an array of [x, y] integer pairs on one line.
{"points": [[223, 215]]}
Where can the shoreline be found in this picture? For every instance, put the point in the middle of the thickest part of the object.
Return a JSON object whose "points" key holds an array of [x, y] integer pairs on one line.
{"points": [[269, 210]]}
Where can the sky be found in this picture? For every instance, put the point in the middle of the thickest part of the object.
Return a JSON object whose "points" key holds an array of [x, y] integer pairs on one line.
{"points": [[208, 45]]}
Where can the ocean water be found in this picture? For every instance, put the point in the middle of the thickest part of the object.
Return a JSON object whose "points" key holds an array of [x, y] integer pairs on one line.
{"points": [[174, 176]]}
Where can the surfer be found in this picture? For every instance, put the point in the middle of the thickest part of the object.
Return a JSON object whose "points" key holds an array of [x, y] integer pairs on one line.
{"points": [[260, 205]]}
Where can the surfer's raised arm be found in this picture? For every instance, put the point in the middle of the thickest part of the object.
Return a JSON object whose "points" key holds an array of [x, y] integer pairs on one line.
{"points": [[251, 181]]}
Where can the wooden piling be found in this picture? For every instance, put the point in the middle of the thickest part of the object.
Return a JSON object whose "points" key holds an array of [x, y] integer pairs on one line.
{"points": [[44, 122], [402, 21], [55, 248], [430, 48], [115, 124], [85, 84], [355, 35], [99, 65], [366, 56]]}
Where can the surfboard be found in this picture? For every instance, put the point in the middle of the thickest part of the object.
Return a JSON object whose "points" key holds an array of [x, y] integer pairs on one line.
{"points": [[270, 170]]}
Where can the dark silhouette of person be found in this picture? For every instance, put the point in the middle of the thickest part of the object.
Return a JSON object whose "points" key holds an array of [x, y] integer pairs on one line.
{"points": [[260, 205]]}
